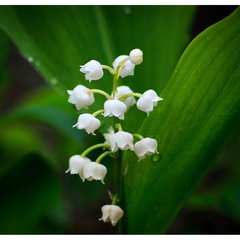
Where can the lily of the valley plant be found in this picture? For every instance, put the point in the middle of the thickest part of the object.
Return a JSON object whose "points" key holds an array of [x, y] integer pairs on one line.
{"points": [[116, 105]]}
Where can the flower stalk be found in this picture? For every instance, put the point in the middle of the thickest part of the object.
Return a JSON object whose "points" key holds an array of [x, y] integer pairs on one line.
{"points": [[116, 141]]}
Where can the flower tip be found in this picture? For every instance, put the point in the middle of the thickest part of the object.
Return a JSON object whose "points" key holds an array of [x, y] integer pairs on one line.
{"points": [[136, 56]]}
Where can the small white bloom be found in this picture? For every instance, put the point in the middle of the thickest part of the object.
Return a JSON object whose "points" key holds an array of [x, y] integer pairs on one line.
{"points": [[128, 67], [76, 164], [80, 97], [136, 56], [111, 213], [115, 108], [123, 90], [93, 70], [120, 140], [94, 171], [88, 122], [145, 147], [148, 100]]}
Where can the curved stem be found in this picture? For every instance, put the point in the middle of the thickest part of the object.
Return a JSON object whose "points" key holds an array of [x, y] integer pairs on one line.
{"points": [[130, 95], [98, 160], [116, 75], [97, 112], [138, 136], [118, 126], [88, 150], [100, 92], [111, 70]]}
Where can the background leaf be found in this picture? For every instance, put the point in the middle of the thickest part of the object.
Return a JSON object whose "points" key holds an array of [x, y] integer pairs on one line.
{"points": [[201, 108], [58, 39]]}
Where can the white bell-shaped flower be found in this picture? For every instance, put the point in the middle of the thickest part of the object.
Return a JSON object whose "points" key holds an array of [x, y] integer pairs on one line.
{"points": [[93, 70], [145, 147], [128, 67], [148, 100], [115, 108], [80, 97], [136, 56], [111, 213], [76, 164], [88, 122], [123, 90], [120, 140], [94, 171]]}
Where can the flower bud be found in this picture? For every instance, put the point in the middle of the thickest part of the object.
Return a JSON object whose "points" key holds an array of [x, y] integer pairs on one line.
{"points": [[76, 164], [123, 90], [93, 70], [88, 122], [120, 140], [148, 100], [145, 147], [115, 108], [128, 67], [111, 213], [80, 97], [136, 56], [94, 171]]}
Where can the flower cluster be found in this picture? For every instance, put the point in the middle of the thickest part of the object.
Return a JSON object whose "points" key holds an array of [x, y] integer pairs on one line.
{"points": [[116, 105]]}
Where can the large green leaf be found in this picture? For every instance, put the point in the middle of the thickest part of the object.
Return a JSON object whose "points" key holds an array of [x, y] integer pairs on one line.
{"points": [[199, 111], [58, 39]]}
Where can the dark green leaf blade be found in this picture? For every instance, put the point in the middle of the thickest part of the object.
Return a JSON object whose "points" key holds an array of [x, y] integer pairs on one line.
{"points": [[58, 39], [200, 109]]}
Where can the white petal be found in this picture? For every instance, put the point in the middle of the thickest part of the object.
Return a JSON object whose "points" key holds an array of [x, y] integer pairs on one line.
{"points": [[123, 90], [93, 70], [124, 140], [152, 95], [145, 147], [88, 122], [116, 214], [136, 56], [76, 164], [115, 108], [127, 69], [80, 97], [145, 104], [94, 170], [106, 213]]}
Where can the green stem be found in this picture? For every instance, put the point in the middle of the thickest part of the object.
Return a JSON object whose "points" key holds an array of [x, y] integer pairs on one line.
{"points": [[130, 95], [111, 70], [97, 112], [140, 137], [100, 92], [118, 126], [102, 156], [116, 76], [88, 150], [115, 199]]}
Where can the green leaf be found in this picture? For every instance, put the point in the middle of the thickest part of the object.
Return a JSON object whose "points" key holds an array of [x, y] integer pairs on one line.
{"points": [[58, 39], [199, 111], [32, 191]]}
